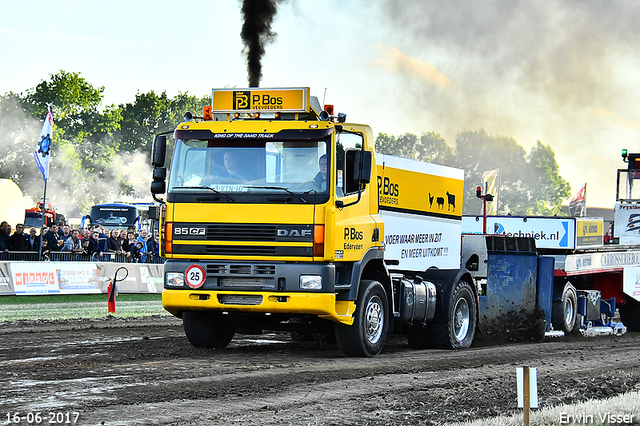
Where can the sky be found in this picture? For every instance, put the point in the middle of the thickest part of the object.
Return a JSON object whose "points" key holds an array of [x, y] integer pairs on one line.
{"points": [[564, 72]]}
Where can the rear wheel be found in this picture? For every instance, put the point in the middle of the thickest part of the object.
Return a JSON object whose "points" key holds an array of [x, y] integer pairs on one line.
{"points": [[630, 314], [460, 328], [208, 329], [564, 312], [367, 334]]}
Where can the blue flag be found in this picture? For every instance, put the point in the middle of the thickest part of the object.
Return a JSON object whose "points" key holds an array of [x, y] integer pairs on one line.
{"points": [[42, 153]]}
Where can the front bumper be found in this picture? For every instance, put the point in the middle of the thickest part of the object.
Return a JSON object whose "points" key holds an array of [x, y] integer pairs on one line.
{"points": [[258, 287], [324, 305]]}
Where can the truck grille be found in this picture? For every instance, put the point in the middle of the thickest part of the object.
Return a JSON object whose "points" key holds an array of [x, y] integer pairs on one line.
{"points": [[225, 269], [243, 239], [241, 232], [239, 299], [241, 250]]}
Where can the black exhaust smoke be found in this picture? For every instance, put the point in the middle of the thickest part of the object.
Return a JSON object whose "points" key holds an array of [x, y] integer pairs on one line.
{"points": [[256, 34]]}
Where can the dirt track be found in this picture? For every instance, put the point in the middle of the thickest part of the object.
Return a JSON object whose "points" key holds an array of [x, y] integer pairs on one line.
{"points": [[143, 371]]}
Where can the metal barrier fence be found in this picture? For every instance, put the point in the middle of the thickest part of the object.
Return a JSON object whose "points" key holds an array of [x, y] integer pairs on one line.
{"points": [[66, 256]]}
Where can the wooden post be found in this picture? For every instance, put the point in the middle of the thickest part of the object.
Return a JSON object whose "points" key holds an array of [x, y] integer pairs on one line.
{"points": [[526, 394]]}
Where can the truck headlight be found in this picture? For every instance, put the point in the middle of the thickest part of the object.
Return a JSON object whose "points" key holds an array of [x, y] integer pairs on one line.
{"points": [[174, 279], [310, 282]]}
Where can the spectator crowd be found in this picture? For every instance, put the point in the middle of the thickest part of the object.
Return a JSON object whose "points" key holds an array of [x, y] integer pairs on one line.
{"points": [[92, 242]]}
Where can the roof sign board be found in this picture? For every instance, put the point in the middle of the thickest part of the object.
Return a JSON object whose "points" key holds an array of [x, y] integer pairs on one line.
{"points": [[253, 100]]}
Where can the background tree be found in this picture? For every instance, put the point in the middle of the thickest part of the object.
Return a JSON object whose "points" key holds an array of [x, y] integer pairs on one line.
{"points": [[430, 147], [529, 184], [545, 181]]}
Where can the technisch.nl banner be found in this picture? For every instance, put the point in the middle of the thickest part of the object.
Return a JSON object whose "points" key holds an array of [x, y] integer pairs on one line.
{"points": [[549, 232]]}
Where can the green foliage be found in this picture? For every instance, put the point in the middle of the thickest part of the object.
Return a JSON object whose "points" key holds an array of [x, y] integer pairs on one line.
{"points": [[530, 184], [431, 147], [151, 114], [98, 154], [546, 180]]}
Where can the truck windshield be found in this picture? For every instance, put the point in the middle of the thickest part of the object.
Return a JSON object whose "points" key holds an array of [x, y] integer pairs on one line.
{"points": [[250, 167]]}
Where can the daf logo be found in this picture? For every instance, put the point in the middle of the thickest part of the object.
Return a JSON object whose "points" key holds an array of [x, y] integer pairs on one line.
{"points": [[190, 231], [293, 232]]}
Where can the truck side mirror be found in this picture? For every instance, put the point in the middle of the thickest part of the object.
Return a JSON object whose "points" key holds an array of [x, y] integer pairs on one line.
{"points": [[158, 186], [357, 169], [158, 151]]}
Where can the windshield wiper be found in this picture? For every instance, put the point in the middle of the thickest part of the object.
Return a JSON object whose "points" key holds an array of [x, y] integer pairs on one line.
{"points": [[281, 188], [206, 187]]}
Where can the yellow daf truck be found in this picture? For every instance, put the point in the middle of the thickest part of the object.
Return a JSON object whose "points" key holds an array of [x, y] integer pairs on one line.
{"points": [[278, 215]]}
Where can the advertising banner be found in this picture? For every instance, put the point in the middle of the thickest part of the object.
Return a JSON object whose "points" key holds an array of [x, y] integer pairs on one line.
{"points": [[6, 281], [601, 261], [627, 223], [549, 232], [419, 244], [34, 278], [631, 282], [54, 277], [589, 232]]}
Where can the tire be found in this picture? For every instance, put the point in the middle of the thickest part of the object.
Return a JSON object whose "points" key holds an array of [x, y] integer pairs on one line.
{"points": [[460, 328], [367, 334], [630, 314], [564, 313], [208, 329]]}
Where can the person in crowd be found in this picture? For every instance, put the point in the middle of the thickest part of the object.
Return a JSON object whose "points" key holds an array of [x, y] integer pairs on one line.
{"points": [[18, 240], [51, 236], [137, 252], [113, 243], [132, 240], [103, 238], [3, 249], [142, 238], [153, 245], [124, 241], [60, 230], [66, 233], [33, 241], [73, 243], [94, 244], [45, 249], [85, 244], [5, 232]]}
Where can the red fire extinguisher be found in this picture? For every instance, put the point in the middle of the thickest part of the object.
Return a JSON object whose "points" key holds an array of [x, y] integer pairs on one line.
{"points": [[112, 290]]}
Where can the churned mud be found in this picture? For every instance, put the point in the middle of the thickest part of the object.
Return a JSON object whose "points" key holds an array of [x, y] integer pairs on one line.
{"points": [[143, 371]]}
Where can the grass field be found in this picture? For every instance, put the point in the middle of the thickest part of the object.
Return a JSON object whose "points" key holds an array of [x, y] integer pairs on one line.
{"points": [[14, 308]]}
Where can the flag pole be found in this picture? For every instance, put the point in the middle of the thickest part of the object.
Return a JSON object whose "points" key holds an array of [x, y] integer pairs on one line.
{"points": [[44, 147], [44, 209]]}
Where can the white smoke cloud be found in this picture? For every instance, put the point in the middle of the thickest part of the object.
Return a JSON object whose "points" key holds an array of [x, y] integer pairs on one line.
{"points": [[563, 72], [71, 189]]}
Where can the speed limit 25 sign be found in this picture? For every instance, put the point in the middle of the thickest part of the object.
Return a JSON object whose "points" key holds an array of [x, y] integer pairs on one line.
{"points": [[195, 276]]}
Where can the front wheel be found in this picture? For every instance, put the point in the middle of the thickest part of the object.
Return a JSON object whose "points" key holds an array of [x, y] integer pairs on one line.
{"points": [[367, 334], [460, 328], [208, 329]]}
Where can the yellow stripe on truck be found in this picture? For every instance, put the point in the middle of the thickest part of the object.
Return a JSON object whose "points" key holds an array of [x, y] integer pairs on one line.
{"points": [[323, 305]]}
